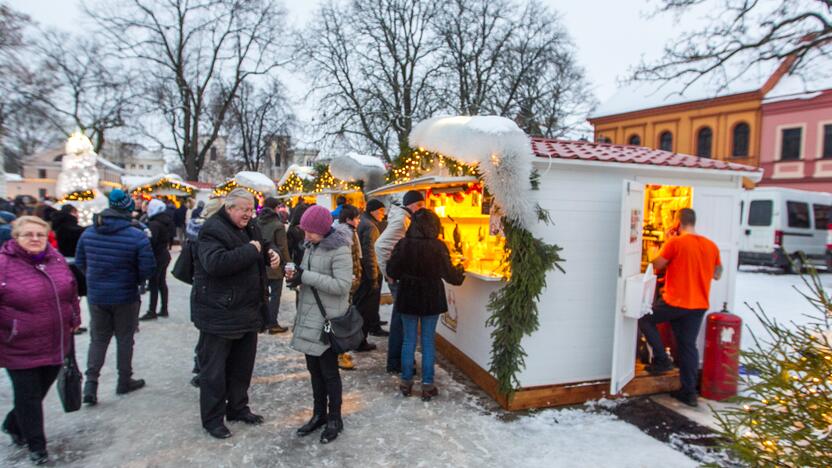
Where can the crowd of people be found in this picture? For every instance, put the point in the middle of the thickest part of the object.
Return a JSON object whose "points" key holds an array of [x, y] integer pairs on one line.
{"points": [[239, 259]]}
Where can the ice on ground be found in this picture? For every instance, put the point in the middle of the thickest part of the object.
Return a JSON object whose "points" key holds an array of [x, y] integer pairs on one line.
{"points": [[159, 425]]}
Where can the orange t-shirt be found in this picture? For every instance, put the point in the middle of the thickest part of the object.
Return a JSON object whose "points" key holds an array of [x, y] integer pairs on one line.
{"points": [[692, 260]]}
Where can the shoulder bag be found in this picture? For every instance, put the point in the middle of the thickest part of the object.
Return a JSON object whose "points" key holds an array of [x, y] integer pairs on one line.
{"points": [[344, 333]]}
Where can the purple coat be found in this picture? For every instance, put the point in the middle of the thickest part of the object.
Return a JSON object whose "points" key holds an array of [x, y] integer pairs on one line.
{"points": [[38, 306]]}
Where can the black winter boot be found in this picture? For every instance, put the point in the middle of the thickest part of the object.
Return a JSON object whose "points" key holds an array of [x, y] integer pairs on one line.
{"points": [[334, 426], [91, 393], [317, 421], [148, 316], [129, 386]]}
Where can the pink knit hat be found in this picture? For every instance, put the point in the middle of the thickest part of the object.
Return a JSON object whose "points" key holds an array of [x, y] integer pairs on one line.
{"points": [[316, 219]]}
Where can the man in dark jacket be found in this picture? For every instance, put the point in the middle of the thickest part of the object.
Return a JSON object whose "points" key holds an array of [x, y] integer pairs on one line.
{"points": [[180, 216], [368, 296], [228, 305], [67, 230], [115, 257], [162, 232], [274, 234]]}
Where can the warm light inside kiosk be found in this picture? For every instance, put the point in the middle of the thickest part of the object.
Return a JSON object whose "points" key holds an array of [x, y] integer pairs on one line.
{"points": [[661, 203]]}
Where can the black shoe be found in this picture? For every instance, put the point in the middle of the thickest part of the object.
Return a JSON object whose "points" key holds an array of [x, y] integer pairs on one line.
{"points": [[394, 370], [148, 316], [219, 432], [658, 368], [17, 439], [317, 421], [364, 347], [277, 329], [164, 314], [333, 427], [382, 323], [39, 457], [80, 331], [129, 386], [248, 418], [195, 381], [379, 332], [91, 393], [689, 399]]}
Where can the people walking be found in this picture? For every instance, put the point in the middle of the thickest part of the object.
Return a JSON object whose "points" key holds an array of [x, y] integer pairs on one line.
{"points": [[38, 311], [419, 263], [691, 261], [325, 272], [397, 223], [274, 233], [368, 296], [349, 217], [115, 257], [162, 232], [227, 302], [67, 230]]}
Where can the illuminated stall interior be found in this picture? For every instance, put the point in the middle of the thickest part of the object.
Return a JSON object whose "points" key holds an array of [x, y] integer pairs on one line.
{"points": [[661, 203], [164, 188]]}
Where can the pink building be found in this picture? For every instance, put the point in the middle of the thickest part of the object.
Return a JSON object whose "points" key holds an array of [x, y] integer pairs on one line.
{"points": [[796, 137]]}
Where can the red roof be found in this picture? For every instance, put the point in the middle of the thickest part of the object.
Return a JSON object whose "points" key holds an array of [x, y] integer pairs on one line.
{"points": [[201, 185], [605, 152]]}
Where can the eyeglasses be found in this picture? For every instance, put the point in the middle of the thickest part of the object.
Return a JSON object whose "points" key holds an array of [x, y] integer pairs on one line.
{"points": [[34, 235], [244, 210]]}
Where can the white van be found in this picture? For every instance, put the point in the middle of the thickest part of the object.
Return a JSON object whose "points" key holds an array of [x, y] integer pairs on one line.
{"points": [[776, 222]]}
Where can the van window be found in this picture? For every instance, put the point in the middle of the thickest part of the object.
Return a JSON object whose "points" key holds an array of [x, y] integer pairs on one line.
{"points": [[798, 214], [821, 216], [759, 212]]}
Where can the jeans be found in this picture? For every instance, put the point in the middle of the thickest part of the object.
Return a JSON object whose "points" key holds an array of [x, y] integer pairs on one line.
{"points": [[396, 338], [685, 324], [411, 327], [326, 383], [225, 369], [159, 286], [105, 321], [275, 290], [26, 418]]}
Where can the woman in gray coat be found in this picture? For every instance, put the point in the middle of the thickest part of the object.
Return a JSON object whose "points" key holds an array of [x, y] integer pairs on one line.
{"points": [[326, 267]]}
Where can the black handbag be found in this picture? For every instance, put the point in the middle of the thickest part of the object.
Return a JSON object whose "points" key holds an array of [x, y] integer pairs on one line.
{"points": [[344, 333], [69, 381], [183, 269]]}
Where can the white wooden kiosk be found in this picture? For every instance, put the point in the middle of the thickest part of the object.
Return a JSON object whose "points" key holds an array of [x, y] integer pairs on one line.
{"points": [[599, 197]]}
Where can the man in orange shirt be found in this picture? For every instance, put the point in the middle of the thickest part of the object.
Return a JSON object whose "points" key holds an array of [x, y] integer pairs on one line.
{"points": [[691, 261]]}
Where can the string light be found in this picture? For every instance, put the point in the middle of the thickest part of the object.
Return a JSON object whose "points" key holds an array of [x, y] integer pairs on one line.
{"points": [[421, 161], [326, 181], [224, 189], [293, 184], [162, 184], [78, 195]]}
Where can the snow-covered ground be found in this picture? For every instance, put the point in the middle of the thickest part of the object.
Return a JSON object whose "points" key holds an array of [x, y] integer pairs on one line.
{"points": [[159, 425]]}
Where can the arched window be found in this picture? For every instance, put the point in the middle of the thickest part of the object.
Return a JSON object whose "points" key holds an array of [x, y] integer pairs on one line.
{"points": [[634, 140], [740, 140], [704, 138], [604, 139], [666, 141]]}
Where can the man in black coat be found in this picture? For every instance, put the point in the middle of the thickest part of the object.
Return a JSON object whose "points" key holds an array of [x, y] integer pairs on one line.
{"points": [[67, 230], [228, 306], [368, 295]]}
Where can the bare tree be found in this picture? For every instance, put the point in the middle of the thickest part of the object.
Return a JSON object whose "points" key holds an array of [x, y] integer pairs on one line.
{"points": [[373, 65], [740, 34], [186, 48], [257, 118]]}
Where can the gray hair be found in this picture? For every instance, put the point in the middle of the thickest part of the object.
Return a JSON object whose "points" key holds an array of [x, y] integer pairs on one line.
{"points": [[237, 194]]}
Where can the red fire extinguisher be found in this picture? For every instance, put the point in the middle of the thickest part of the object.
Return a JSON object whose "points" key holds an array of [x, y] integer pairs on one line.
{"points": [[720, 367]]}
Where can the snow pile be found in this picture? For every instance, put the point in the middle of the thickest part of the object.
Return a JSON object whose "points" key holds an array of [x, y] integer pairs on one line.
{"points": [[353, 167], [502, 151], [304, 172], [257, 181]]}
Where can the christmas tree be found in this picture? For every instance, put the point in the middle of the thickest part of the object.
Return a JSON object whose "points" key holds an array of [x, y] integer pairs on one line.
{"points": [[784, 417], [78, 181]]}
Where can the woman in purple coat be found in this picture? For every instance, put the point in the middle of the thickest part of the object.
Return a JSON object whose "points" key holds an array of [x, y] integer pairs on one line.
{"points": [[39, 309]]}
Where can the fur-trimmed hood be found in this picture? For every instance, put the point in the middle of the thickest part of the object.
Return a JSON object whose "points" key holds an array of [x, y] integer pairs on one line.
{"points": [[339, 236]]}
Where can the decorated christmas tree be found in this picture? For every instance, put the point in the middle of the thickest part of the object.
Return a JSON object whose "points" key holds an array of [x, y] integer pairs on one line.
{"points": [[784, 417], [78, 181]]}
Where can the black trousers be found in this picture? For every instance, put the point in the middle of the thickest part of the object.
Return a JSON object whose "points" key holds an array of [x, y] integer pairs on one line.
{"points": [[159, 285], [225, 368], [326, 383], [685, 324], [105, 322], [26, 418], [367, 299]]}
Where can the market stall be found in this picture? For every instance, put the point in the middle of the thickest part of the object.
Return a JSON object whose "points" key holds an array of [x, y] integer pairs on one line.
{"points": [[165, 186], [295, 184], [258, 184], [608, 205]]}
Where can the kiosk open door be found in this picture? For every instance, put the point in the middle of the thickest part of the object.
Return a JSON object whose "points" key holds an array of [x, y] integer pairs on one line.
{"points": [[629, 267]]}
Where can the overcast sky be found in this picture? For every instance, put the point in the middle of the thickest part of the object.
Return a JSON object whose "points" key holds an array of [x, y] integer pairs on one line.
{"points": [[610, 36]]}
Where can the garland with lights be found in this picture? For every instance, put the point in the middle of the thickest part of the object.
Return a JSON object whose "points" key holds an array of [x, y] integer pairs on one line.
{"points": [[324, 180], [293, 184], [513, 308], [786, 413], [163, 183], [78, 195], [224, 189]]}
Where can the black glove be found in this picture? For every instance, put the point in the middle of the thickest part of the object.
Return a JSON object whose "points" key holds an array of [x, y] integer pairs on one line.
{"points": [[296, 279]]}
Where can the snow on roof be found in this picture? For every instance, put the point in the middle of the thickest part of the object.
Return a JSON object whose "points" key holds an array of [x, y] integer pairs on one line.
{"points": [[138, 181], [501, 150], [638, 96], [304, 172], [352, 167], [13, 177], [110, 165], [604, 152], [801, 86], [256, 181]]}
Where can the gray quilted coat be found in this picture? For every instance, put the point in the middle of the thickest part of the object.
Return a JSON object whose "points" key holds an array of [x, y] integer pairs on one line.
{"points": [[327, 267]]}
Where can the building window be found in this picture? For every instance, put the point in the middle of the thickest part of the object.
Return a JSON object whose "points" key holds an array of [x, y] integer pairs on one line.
{"points": [[41, 173], [213, 156], [704, 138], [604, 139], [741, 135], [634, 140], [790, 143], [666, 141], [827, 141]]}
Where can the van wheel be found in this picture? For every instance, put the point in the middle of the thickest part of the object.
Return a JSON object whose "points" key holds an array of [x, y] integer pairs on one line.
{"points": [[796, 266]]}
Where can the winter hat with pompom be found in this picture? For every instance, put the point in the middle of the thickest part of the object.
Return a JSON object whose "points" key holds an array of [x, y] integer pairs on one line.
{"points": [[120, 201], [317, 220]]}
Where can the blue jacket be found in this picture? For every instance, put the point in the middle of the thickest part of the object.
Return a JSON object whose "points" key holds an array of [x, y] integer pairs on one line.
{"points": [[115, 256]]}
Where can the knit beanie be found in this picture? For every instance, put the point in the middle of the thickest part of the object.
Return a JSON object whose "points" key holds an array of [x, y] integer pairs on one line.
{"points": [[120, 201], [373, 205], [412, 196], [316, 220], [155, 207]]}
